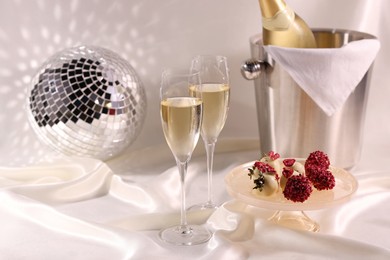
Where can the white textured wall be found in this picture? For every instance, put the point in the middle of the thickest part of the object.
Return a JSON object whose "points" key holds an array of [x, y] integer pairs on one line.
{"points": [[154, 34]]}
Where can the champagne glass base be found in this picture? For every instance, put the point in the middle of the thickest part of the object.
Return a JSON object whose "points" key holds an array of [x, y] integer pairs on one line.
{"points": [[203, 206], [185, 235]]}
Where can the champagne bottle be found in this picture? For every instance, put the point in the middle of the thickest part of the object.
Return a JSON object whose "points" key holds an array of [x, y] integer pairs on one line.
{"points": [[283, 27]]}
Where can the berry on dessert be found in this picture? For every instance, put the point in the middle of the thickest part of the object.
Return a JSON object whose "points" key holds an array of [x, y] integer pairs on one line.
{"points": [[273, 159], [322, 179], [273, 156], [298, 188], [287, 172], [264, 167], [291, 167], [264, 177], [289, 162], [317, 158], [271, 174]]}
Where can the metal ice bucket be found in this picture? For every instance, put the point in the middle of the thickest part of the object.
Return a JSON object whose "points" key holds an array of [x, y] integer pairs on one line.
{"points": [[289, 121]]}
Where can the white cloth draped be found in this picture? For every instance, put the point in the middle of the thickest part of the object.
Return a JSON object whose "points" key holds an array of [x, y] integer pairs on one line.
{"points": [[328, 75], [73, 208]]}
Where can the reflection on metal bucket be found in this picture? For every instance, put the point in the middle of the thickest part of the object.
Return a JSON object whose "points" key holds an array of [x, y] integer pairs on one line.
{"points": [[290, 123]]}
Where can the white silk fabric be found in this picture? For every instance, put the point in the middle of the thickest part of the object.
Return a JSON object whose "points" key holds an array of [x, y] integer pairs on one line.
{"points": [[74, 208]]}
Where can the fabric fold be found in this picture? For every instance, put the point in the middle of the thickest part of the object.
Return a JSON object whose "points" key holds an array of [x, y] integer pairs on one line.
{"points": [[236, 222], [64, 180]]}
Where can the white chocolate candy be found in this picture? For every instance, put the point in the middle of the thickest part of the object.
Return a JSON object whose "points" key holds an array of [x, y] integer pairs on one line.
{"points": [[299, 167], [283, 180], [271, 186], [276, 164]]}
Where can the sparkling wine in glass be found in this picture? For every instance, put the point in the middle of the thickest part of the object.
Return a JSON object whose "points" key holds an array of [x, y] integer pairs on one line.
{"points": [[181, 117], [215, 90]]}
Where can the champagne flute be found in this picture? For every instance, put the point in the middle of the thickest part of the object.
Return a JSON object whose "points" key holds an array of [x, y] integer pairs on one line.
{"points": [[215, 89], [181, 117]]}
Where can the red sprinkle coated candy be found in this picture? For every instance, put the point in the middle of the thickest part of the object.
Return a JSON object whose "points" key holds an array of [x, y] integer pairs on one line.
{"points": [[317, 158], [298, 188], [264, 167], [322, 179]]}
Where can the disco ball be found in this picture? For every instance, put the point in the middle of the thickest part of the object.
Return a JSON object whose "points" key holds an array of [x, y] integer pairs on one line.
{"points": [[87, 101]]}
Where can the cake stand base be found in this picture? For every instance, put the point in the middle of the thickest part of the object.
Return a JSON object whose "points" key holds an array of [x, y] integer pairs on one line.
{"points": [[295, 220]]}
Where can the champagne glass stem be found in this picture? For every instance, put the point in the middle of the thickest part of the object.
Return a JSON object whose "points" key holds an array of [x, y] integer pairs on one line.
{"points": [[182, 166], [210, 160]]}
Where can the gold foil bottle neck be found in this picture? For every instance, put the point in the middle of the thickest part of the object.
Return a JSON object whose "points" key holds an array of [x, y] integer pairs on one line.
{"points": [[280, 21], [270, 8]]}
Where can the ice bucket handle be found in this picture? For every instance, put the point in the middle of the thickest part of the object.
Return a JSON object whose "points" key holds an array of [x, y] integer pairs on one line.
{"points": [[251, 69]]}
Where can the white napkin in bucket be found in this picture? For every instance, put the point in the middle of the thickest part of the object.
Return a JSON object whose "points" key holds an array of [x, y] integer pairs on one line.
{"points": [[327, 75]]}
